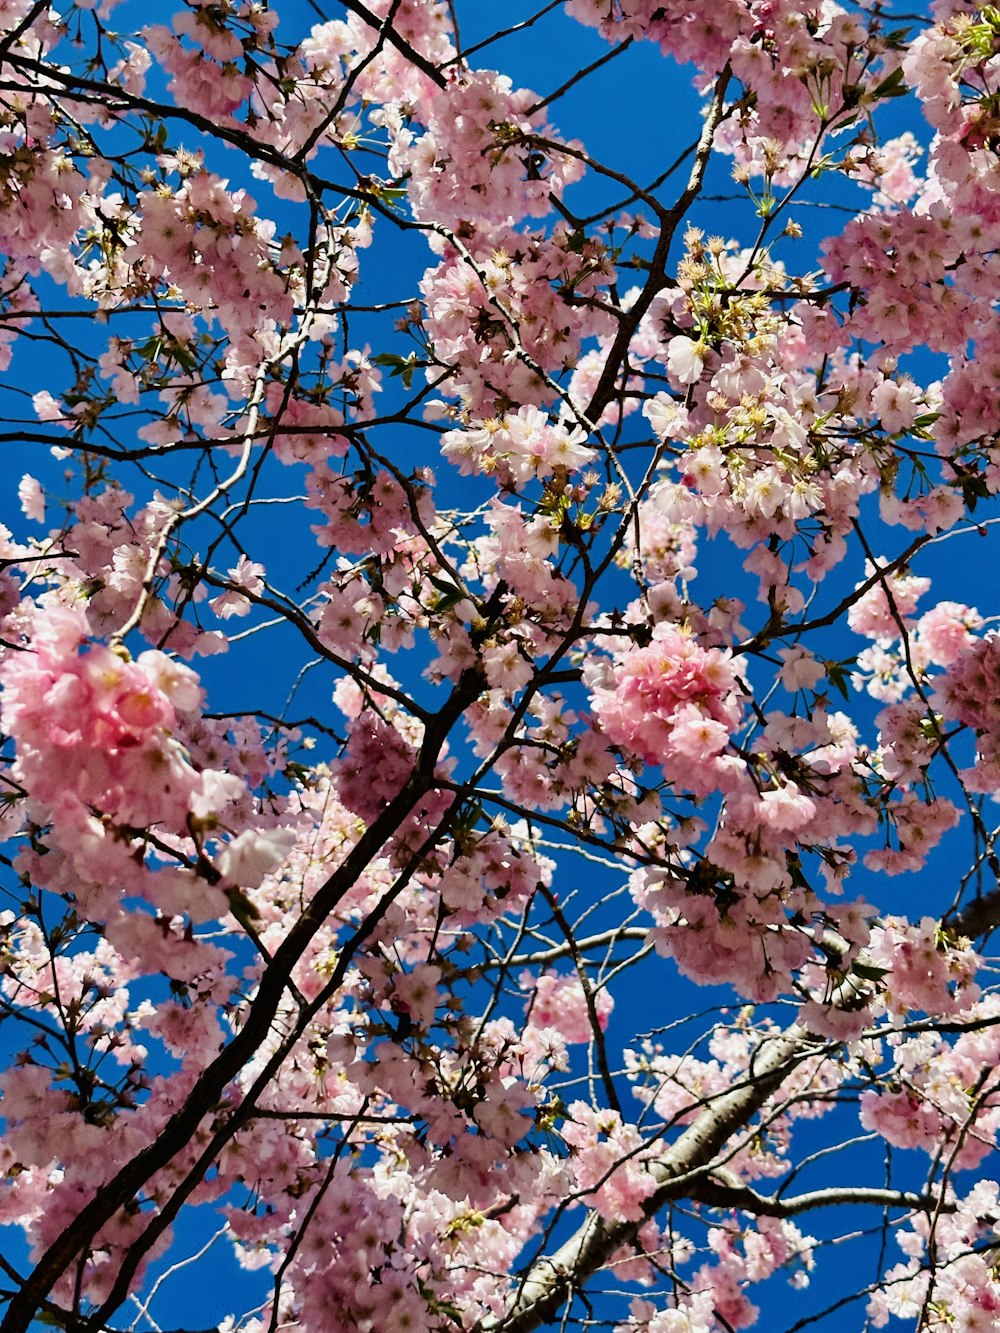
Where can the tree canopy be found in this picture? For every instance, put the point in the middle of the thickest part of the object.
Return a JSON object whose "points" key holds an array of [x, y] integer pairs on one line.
{"points": [[499, 708]]}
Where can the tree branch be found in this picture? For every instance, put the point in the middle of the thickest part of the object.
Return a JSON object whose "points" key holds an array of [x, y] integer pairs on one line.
{"points": [[551, 1279]]}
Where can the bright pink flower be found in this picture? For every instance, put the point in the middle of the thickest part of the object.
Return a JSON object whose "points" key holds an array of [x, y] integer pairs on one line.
{"points": [[671, 700]]}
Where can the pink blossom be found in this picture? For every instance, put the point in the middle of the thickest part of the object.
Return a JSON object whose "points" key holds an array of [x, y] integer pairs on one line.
{"points": [[559, 1002], [673, 684], [685, 359]]}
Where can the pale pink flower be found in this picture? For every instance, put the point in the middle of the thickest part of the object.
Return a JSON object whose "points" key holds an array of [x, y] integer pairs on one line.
{"points": [[32, 498], [685, 359]]}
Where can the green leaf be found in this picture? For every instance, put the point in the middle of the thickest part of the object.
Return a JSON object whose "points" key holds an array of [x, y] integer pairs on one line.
{"points": [[404, 366], [897, 39], [869, 971], [836, 673], [892, 86]]}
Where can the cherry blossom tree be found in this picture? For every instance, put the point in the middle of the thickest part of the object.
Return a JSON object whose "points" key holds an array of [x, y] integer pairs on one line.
{"points": [[381, 777]]}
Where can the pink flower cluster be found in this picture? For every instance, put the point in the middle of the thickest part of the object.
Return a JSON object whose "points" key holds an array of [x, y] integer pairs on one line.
{"points": [[673, 703], [966, 1290], [559, 1002], [482, 308], [98, 749], [205, 240], [518, 448], [480, 148], [207, 78], [970, 693], [95, 724], [926, 972], [885, 608], [607, 1158]]}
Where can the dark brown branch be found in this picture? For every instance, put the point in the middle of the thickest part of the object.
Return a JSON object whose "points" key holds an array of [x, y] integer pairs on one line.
{"points": [[977, 918], [400, 43], [670, 220]]}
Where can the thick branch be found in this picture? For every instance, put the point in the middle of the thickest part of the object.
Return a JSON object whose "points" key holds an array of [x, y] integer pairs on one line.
{"points": [[551, 1280], [977, 918], [669, 223], [723, 1190]]}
